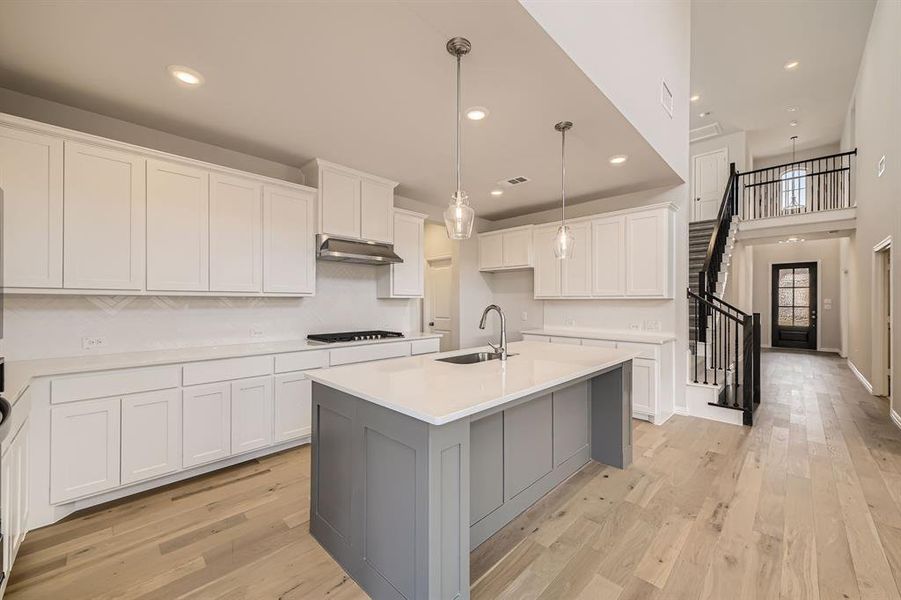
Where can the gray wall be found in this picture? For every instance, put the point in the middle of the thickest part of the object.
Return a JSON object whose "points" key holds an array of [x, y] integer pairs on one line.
{"points": [[874, 125], [828, 254]]}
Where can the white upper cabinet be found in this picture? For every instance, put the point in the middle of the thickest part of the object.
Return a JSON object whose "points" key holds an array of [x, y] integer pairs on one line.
{"points": [[547, 265], [31, 180], [376, 210], [104, 196], [352, 204], [648, 254], [506, 249], [178, 226], [340, 203], [406, 279], [608, 249], [289, 252], [577, 268], [236, 249], [627, 254]]}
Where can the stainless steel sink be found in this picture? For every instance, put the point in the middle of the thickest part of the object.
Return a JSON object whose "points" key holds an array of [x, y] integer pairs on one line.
{"points": [[468, 359]]}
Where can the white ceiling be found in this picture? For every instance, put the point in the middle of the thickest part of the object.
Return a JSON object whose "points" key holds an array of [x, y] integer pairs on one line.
{"points": [[366, 84], [738, 52]]}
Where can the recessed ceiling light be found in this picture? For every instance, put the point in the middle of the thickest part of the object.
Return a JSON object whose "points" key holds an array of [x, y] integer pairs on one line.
{"points": [[791, 65], [497, 192], [792, 109], [793, 123], [704, 114], [695, 98], [476, 113], [185, 76], [618, 159]]}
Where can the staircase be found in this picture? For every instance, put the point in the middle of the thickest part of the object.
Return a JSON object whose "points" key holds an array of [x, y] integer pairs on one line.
{"points": [[699, 234]]}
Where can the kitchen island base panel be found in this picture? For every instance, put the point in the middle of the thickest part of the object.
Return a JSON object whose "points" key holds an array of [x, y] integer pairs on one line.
{"points": [[391, 495]]}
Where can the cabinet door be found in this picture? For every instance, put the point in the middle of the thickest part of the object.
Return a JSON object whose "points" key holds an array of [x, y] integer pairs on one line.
{"points": [[23, 482], [491, 251], [151, 435], [646, 254], [7, 498], [31, 177], [608, 254], [644, 386], [547, 265], [104, 198], [339, 194], [206, 423], [408, 276], [289, 253], [236, 250], [577, 268], [376, 210], [84, 448], [251, 414], [178, 226], [517, 248], [293, 406]]}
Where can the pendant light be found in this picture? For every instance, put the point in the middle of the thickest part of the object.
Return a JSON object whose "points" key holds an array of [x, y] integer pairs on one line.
{"points": [[793, 200], [564, 240], [459, 215]]}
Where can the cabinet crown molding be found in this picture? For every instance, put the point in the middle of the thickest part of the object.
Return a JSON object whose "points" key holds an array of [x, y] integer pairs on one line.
{"points": [[320, 164]]}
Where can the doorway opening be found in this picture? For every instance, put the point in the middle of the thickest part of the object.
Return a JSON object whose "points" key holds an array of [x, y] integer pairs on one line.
{"points": [[794, 305], [882, 318], [438, 307]]}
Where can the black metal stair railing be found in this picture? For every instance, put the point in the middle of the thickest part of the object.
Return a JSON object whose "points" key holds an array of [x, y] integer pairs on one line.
{"points": [[731, 353]]}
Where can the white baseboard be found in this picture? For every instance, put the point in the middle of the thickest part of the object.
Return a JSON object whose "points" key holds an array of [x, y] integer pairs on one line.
{"points": [[679, 410], [833, 350], [896, 418], [860, 376]]}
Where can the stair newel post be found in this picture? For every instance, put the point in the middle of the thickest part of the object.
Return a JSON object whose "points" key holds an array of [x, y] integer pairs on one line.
{"points": [[736, 371], [714, 345], [756, 350], [701, 310], [697, 339]]}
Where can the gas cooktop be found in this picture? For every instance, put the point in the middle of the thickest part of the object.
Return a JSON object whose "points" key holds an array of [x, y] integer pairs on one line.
{"points": [[352, 336]]}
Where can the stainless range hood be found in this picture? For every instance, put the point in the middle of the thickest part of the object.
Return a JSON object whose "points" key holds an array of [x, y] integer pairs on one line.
{"points": [[355, 251]]}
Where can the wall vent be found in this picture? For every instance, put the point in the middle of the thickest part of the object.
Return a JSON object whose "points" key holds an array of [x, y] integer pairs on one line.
{"points": [[707, 131], [514, 181]]}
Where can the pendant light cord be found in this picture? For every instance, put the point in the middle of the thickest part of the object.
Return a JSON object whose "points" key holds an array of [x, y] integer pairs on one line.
{"points": [[459, 195], [563, 175]]}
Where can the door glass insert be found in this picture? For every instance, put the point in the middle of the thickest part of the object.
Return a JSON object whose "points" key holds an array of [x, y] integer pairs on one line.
{"points": [[794, 297]]}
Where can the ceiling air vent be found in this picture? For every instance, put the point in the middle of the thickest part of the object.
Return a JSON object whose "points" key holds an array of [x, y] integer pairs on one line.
{"points": [[512, 181], [707, 131]]}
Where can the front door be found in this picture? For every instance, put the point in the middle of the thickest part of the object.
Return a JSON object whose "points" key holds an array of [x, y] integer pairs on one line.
{"points": [[794, 305], [710, 173]]}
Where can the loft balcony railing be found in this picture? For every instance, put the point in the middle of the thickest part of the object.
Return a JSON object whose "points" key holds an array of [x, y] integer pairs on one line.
{"points": [[799, 187]]}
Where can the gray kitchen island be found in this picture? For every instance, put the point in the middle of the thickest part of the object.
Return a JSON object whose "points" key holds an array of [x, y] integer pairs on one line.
{"points": [[417, 460]]}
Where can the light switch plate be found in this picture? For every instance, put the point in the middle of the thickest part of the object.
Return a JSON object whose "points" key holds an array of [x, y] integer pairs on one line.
{"points": [[90, 343], [880, 167]]}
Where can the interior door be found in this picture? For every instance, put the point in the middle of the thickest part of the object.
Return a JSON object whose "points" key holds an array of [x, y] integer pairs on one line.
{"points": [[794, 305], [438, 301], [710, 172]]}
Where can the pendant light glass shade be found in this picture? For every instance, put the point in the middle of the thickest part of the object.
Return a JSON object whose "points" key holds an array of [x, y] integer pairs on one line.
{"points": [[564, 240], [458, 218], [459, 215]]}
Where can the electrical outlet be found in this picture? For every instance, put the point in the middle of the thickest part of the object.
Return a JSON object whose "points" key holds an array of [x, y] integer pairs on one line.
{"points": [[90, 343], [569, 322], [255, 332], [525, 316], [652, 325], [634, 327]]}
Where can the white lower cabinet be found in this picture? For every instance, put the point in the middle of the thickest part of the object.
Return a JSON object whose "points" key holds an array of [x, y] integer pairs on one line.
{"points": [[151, 440], [84, 448], [14, 483], [293, 403], [644, 387], [206, 423], [251, 414]]}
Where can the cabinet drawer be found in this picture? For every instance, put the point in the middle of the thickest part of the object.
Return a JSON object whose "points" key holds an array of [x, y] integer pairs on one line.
{"points": [[424, 346], [649, 351], [229, 368], [565, 340], [301, 361], [113, 383], [599, 343], [346, 356]]}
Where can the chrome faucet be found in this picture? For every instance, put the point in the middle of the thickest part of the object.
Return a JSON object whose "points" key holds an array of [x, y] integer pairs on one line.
{"points": [[501, 348]]}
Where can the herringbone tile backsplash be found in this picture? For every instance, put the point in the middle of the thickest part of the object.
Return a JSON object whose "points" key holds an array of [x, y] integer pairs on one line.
{"points": [[44, 326]]}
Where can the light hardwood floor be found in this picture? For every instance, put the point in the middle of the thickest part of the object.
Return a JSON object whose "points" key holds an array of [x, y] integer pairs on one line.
{"points": [[807, 504]]}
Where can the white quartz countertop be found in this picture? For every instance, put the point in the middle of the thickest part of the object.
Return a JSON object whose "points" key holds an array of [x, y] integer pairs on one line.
{"points": [[19, 373], [438, 392], [646, 337]]}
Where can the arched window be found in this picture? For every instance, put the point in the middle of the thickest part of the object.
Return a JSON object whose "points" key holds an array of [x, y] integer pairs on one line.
{"points": [[793, 189]]}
